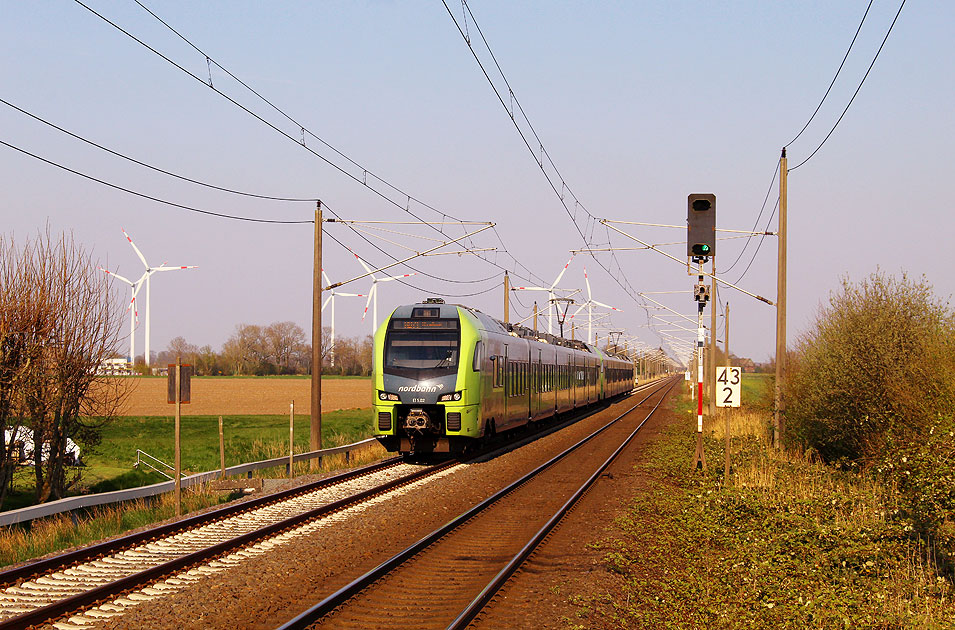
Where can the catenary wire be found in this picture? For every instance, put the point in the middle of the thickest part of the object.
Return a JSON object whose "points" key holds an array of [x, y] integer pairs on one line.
{"points": [[540, 161], [415, 287]]}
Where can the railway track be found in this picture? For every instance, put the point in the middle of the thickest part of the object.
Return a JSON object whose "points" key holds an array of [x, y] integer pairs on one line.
{"points": [[448, 577], [82, 587], [98, 575]]}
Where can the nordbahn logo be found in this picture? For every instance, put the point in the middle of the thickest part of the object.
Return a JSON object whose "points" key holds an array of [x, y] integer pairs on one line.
{"points": [[419, 388]]}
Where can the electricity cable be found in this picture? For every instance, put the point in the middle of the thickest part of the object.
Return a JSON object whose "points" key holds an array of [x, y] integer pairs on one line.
{"points": [[221, 215], [854, 94], [833, 82], [302, 143], [150, 166]]}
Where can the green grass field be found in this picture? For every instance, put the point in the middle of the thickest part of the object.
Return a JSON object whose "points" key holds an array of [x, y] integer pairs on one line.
{"points": [[109, 466]]}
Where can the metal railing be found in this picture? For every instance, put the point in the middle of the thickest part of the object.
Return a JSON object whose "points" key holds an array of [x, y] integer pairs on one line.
{"points": [[144, 458]]}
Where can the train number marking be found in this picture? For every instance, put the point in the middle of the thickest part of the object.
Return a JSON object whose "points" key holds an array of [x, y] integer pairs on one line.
{"points": [[417, 400]]}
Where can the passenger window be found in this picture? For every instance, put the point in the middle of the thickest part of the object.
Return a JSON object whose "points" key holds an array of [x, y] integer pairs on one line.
{"points": [[478, 356]]}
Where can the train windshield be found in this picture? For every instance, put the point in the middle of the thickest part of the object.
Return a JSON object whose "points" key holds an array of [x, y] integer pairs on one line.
{"points": [[421, 353]]}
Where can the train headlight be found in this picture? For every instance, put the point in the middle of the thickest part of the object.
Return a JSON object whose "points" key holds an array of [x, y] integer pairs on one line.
{"points": [[387, 396], [449, 397]]}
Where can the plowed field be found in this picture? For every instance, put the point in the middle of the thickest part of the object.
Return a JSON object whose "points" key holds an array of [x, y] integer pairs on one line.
{"points": [[253, 396]]}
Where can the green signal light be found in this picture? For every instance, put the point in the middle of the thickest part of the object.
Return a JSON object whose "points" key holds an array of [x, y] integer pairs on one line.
{"points": [[705, 248]]}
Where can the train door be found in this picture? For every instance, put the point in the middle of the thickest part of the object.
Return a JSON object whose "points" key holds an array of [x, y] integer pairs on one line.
{"points": [[507, 386]]}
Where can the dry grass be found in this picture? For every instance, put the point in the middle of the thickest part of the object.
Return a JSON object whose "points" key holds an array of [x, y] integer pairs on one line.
{"points": [[41, 537]]}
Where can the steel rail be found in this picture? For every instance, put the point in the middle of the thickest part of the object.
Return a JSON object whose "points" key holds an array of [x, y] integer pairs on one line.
{"points": [[64, 561], [328, 604], [106, 591], [482, 599]]}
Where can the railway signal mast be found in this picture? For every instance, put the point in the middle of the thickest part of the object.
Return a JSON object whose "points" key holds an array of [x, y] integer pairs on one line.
{"points": [[700, 246]]}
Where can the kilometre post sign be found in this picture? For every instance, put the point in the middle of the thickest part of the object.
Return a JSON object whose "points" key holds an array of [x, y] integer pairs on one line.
{"points": [[727, 386]]}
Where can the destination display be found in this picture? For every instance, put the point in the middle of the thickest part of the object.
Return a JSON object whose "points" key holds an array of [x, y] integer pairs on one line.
{"points": [[424, 324]]}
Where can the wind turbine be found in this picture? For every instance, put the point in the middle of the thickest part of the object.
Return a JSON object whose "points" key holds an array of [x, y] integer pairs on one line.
{"points": [[550, 295], [331, 299], [146, 276], [134, 311], [373, 292], [589, 305]]}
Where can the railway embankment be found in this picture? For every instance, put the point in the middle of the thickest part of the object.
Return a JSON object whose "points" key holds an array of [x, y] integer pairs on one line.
{"points": [[783, 542]]}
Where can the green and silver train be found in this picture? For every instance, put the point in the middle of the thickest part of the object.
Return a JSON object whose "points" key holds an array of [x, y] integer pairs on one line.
{"points": [[447, 376]]}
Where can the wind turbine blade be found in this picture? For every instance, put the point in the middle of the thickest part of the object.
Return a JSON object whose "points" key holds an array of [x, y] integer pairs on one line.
{"points": [[327, 300], [325, 275], [561, 274], [580, 308], [136, 249], [116, 275], [176, 268], [366, 267], [386, 279], [612, 308], [351, 294], [371, 294], [587, 280], [530, 289]]}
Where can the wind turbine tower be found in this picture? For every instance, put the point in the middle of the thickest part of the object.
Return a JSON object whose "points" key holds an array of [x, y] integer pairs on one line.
{"points": [[146, 277]]}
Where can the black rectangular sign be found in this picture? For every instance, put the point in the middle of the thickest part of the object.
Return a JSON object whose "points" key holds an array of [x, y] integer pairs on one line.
{"points": [[185, 384], [424, 324]]}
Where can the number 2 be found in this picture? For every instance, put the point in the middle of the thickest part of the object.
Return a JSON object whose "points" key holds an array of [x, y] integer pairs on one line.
{"points": [[729, 395]]}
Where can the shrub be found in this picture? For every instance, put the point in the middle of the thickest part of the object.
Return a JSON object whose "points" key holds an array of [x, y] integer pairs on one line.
{"points": [[875, 372]]}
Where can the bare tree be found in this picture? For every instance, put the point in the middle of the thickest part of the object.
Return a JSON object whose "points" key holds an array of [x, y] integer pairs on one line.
{"points": [[59, 322], [283, 341]]}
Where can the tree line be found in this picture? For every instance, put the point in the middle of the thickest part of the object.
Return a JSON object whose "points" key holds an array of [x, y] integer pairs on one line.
{"points": [[278, 348]]}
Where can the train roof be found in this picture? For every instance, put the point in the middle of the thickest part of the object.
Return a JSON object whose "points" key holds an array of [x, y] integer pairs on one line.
{"points": [[448, 311]]}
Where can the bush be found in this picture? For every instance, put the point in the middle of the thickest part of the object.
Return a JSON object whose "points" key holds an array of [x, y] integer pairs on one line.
{"points": [[875, 373]]}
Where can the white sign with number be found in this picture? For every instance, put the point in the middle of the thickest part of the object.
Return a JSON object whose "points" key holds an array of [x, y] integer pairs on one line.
{"points": [[727, 386]]}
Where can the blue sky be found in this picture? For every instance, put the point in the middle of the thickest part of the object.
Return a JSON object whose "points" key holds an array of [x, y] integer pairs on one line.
{"points": [[638, 103]]}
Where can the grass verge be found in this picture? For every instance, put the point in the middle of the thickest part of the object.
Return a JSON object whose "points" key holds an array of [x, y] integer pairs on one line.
{"points": [[783, 543], [109, 466]]}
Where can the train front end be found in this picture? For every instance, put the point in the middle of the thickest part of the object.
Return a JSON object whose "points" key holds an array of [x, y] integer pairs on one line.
{"points": [[427, 390]]}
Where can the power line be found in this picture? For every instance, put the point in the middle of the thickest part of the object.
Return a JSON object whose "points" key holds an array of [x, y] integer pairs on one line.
{"points": [[756, 222], [365, 172], [150, 166], [221, 215], [833, 82], [854, 94]]}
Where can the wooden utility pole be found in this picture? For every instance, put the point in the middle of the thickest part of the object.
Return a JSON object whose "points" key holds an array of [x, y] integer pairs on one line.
{"points": [[726, 339], [535, 319], [507, 298], [711, 377], [221, 450], [778, 415], [315, 427], [178, 445], [291, 439]]}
